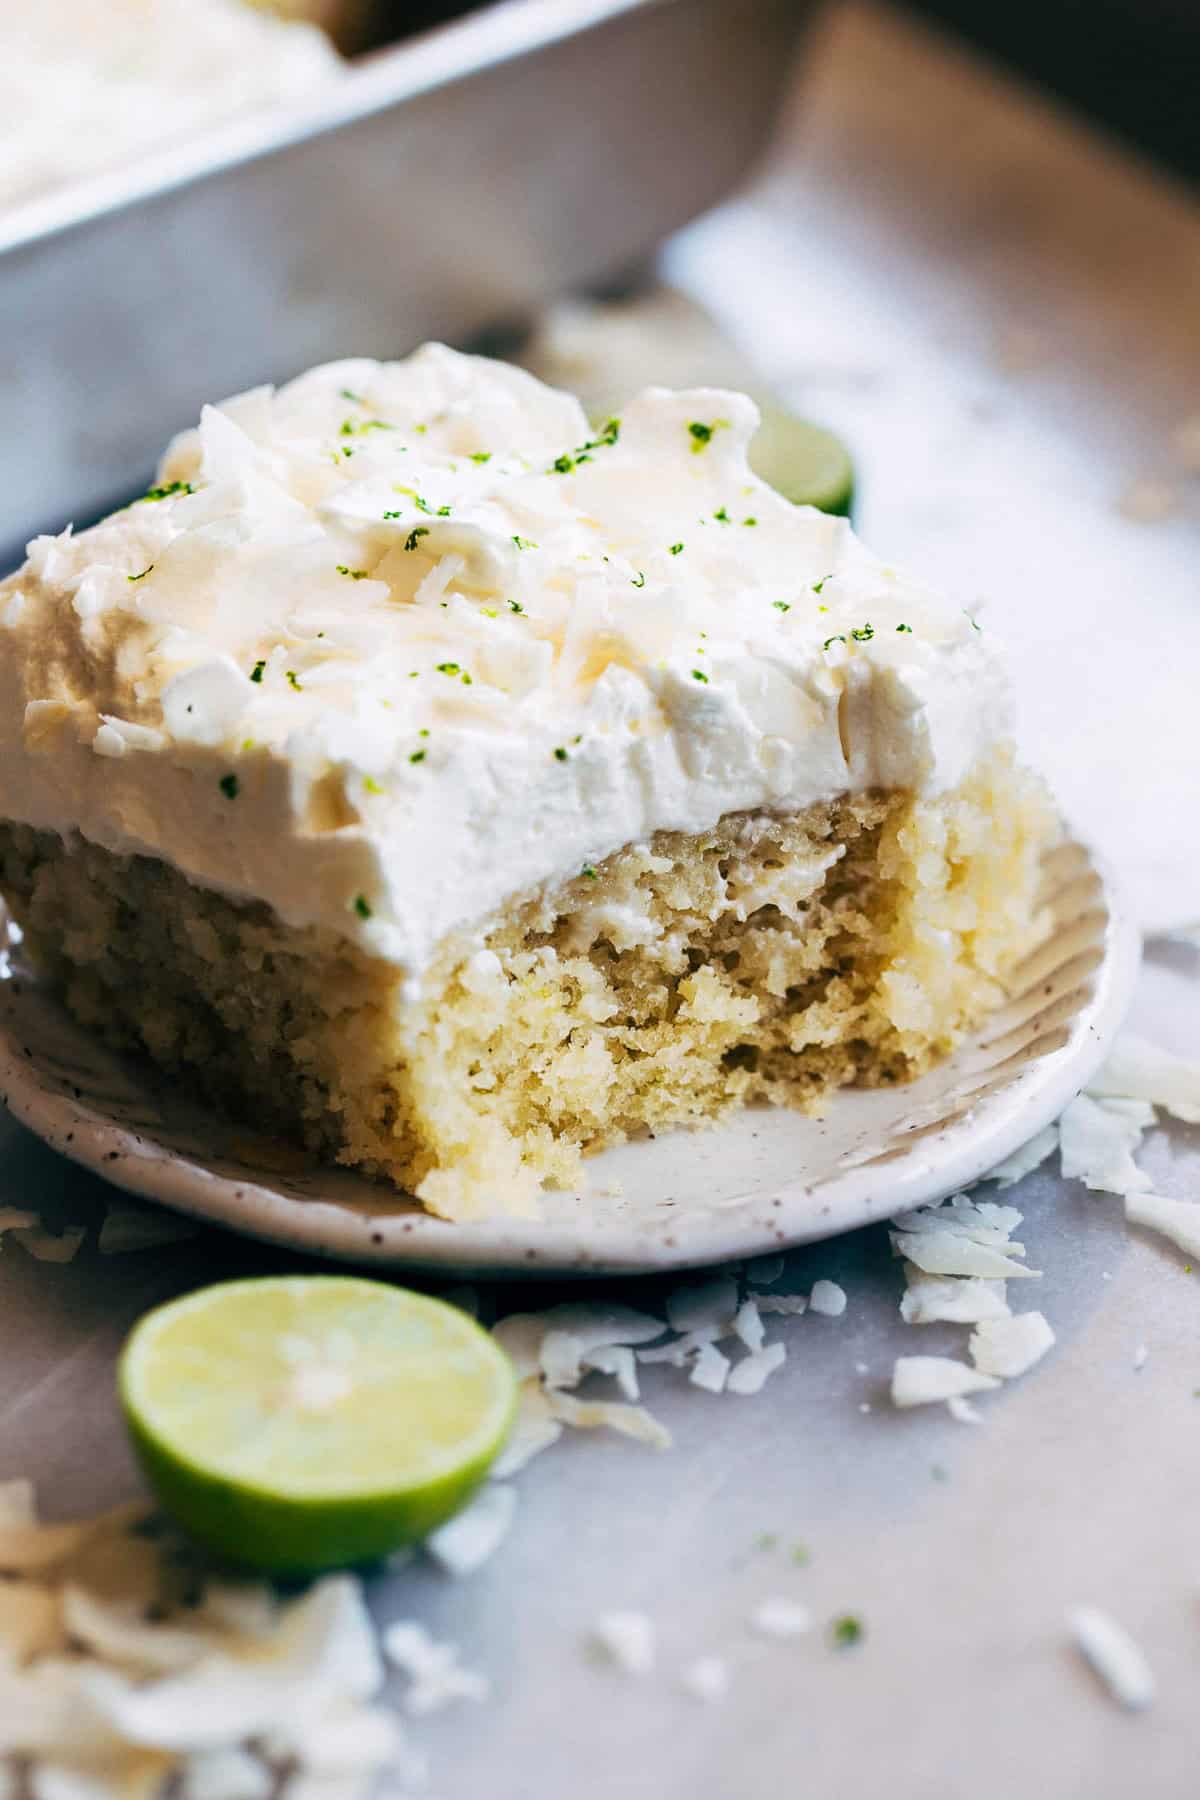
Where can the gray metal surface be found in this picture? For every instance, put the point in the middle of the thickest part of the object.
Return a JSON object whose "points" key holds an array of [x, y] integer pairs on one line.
{"points": [[444, 186]]}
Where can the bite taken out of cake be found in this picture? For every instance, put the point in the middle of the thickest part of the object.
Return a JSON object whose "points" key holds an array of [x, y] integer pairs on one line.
{"points": [[452, 788]]}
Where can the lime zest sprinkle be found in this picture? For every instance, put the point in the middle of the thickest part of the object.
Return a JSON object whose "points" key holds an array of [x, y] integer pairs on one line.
{"points": [[228, 785], [141, 574], [361, 907], [415, 535], [256, 673]]}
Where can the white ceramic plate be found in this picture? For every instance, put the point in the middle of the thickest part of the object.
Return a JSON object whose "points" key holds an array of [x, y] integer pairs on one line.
{"points": [[767, 1180]]}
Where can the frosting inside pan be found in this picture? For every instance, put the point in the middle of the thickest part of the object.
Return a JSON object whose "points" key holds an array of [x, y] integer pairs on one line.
{"points": [[397, 642]]}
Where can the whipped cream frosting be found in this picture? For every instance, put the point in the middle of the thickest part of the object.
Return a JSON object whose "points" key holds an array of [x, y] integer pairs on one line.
{"points": [[88, 84], [397, 642]]}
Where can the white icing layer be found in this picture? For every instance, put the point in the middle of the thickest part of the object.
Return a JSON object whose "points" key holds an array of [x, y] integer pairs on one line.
{"points": [[387, 665], [86, 85]]}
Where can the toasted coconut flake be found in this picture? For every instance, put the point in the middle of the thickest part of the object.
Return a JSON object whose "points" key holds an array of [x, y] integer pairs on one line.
{"points": [[1024, 1161], [30, 1621], [534, 1430], [779, 1617], [1139, 1070], [925, 1380], [828, 1299], [953, 1299], [49, 1246], [324, 1648], [626, 1639], [437, 1677], [617, 1360], [706, 1679], [1098, 1138], [1117, 1660], [1178, 1220], [1009, 1347], [704, 1305], [631, 1421], [748, 1325], [466, 1541], [130, 1228], [751, 1374], [119, 1633], [790, 1305], [710, 1369], [27, 1549]]}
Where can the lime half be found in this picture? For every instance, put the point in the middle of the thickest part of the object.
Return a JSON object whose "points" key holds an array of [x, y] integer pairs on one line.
{"points": [[805, 463], [306, 1422]]}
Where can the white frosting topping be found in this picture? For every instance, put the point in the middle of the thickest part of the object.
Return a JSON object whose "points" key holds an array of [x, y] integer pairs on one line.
{"points": [[88, 84], [405, 640]]}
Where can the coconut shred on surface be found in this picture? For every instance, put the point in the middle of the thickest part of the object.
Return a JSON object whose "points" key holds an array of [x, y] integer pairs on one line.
{"points": [[397, 641]]}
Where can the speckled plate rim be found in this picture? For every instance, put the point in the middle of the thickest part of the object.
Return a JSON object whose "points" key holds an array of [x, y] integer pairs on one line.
{"points": [[874, 1155]]}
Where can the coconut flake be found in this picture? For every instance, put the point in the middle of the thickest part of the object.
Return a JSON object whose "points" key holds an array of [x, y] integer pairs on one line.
{"points": [[15, 1218], [626, 1639], [1141, 1356], [962, 1412], [561, 1359], [534, 1430], [617, 1360], [1009, 1347], [779, 1617], [467, 1540], [710, 1370], [588, 1415], [704, 1305], [436, 1676], [748, 1325], [953, 1299], [1178, 1220], [1022, 1162], [48, 1246], [706, 1679], [924, 1380], [1098, 1138], [751, 1374], [1117, 1660], [680, 1350], [130, 1228], [324, 1647], [1139, 1070], [828, 1299], [961, 1237], [790, 1305], [118, 1632]]}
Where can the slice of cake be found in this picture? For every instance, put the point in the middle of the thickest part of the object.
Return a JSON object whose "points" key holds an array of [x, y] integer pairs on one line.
{"points": [[452, 788]]}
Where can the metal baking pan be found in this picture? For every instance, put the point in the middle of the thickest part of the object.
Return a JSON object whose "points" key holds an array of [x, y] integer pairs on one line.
{"points": [[445, 185]]}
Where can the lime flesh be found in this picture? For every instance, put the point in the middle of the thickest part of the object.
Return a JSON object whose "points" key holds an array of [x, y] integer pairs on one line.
{"points": [[805, 463], [306, 1422]]}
